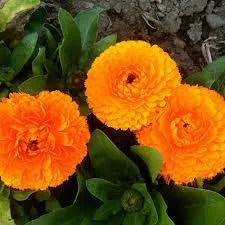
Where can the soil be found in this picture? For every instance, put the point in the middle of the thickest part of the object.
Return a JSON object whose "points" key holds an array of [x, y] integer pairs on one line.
{"points": [[178, 26]]}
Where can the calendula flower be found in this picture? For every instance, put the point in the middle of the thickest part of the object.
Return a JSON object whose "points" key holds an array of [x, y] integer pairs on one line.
{"points": [[42, 139], [190, 134], [128, 84]]}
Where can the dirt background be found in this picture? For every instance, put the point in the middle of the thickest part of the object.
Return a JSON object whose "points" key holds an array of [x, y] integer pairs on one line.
{"points": [[181, 27]]}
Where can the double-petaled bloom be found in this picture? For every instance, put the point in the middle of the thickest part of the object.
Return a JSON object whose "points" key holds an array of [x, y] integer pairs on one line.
{"points": [[128, 84], [42, 139], [190, 134]]}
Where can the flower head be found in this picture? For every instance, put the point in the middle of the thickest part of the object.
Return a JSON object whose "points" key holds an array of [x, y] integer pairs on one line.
{"points": [[190, 134], [42, 139], [129, 83]]}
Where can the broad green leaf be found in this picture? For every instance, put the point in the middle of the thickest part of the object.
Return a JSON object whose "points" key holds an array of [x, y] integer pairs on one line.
{"points": [[51, 42], [4, 93], [103, 189], [70, 49], [5, 55], [115, 166], [89, 221], [148, 207], [38, 63], [52, 204], [83, 105], [36, 22], [219, 186], [103, 44], [87, 22], [34, 85], [42, 195], [212, 75], [2, 186], [23, 52], [6, 74], [21, 195], [152, 159], [108, 209], [161, 208], [19, 214], [66, 216], [91, 53], [54, 31], [11, 8], [136, 218], [5, 214], [51, 67], [194, 206]]}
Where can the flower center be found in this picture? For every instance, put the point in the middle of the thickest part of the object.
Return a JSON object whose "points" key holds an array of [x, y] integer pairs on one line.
{"points": [[131, 77], [132, 200], [32, 145]]}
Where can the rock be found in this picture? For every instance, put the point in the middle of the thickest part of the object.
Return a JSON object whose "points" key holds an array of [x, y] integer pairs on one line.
{"points": [[171, 22], [178, 43], [118, 7], [195, 32], [189, 7], [145, 5], [210, 7], [214, 21]]}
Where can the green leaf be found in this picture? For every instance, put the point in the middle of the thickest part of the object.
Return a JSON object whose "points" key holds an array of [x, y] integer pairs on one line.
{"points": [[54, 31], [42, 195], [4, 93], [152, 159], [103, 44], [21, 195], [148, 207], [34, 85], [5, 55], [51, 67], [108, 209], [38, 63], [115, 166], [161, 208], [194, 206], [52, 204], [70, 49], [213, 73], [91, 53], [36, 22], [5, 214], [12, 7], [2, 186], [51, 42], [103, 189], [6, 74], [219, 186], [87, 22], [66, 216], [23, 52], [83, 105], [136, 218]]}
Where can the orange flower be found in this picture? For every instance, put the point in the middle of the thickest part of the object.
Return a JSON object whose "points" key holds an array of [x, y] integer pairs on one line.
{"points": [[190, 134], [42, 139], [129, 83]]}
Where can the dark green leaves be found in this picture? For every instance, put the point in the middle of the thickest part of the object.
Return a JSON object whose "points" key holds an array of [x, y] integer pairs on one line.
{"points": [[151, 157], [23, 52], [36, 21], [34, 85], [70, 48], [161, 208], [108, 209], [5, 54], [21, 195], [213, 76], [115, 166], [194, 206], [38, 63], [103, 189], [134, 219], [87, 22], [5, 214]]}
